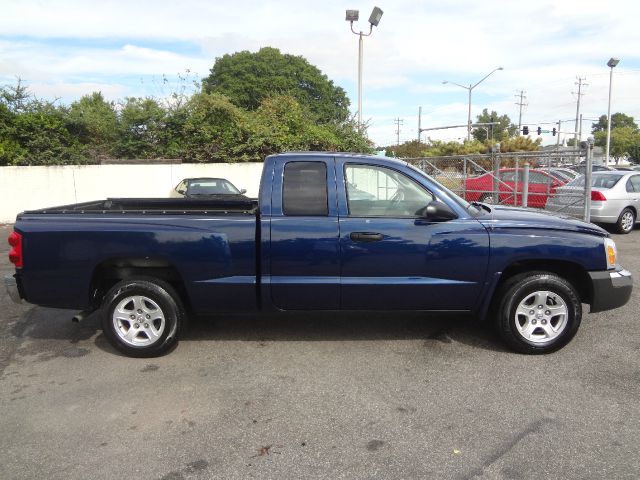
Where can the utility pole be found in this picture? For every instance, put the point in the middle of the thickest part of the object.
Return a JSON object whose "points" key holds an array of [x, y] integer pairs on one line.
{"points": [[398, 122], [521, 104], [559, 129], [580, 83], [419, 123], [580, 130]]}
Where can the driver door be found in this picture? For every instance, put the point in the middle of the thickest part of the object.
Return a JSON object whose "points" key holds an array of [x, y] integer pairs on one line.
{"points": [[391, 258]]}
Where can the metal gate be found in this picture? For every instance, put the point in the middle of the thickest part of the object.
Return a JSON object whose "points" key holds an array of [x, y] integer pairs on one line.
{"points": [[541, 180]]}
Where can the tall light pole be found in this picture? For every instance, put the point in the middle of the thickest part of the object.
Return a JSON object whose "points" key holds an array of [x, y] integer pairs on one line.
{"points": [[374, 20], [470, 89], [611, 63]]}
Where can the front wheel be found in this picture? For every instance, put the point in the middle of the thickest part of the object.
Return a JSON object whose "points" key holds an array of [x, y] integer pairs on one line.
{"points": [[538, 312], [142, 317]]}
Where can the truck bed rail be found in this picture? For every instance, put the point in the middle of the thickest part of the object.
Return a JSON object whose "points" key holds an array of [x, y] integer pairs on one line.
{"points": [[155, 206]]}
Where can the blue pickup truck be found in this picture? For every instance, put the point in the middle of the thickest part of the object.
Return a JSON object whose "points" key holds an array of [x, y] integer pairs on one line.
{"points": [[329, 232]]}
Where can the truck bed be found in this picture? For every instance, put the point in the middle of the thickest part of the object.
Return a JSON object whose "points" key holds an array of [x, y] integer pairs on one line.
{"points": [[156, 206]]}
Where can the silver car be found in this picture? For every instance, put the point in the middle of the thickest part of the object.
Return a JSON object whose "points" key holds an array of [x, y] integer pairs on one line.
{"points": [[615, 198]]}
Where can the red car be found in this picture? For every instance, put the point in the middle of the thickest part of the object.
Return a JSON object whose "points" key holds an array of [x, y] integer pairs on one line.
{"points": [[541, 185]]}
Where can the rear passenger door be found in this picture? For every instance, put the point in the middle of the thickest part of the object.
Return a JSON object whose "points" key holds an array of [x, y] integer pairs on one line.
{"points": [[304, 249]]}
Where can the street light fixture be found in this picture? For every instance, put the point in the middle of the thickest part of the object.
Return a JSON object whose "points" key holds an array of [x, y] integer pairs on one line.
{"points": [[374, 20], [470, 88], [611, 63]]}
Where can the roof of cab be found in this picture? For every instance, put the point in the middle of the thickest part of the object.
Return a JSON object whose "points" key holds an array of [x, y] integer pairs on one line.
{"points": [[338, 154]]}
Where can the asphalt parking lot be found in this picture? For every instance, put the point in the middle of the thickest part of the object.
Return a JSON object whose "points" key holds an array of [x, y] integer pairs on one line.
{"points": [[299, 396]]}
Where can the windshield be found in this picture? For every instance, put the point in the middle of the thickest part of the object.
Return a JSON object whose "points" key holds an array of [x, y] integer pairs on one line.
{"points": [[212, 186], [459, 200], [605, 180]]}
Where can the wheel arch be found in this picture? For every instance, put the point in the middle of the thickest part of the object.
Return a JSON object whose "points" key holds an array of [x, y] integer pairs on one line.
{"points": [[573, 272], [633, 209], [110, 271]]}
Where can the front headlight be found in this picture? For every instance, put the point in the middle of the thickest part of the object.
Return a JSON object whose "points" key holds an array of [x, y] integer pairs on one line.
{"points": [[610, 252]]}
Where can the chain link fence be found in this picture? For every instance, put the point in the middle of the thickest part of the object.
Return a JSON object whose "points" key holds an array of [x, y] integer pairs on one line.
{"points": [[524, 179]]}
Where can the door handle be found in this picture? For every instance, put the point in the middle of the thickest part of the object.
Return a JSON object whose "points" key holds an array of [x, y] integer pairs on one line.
{"points": [[365, 237]]}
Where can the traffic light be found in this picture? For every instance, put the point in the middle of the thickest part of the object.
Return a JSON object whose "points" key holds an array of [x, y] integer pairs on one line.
{"points": [[539, 131], [525, 130], [554, 131]]}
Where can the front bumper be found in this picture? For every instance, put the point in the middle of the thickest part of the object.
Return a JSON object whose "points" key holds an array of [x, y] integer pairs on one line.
{"points": [[611, 289], [11, 285]]}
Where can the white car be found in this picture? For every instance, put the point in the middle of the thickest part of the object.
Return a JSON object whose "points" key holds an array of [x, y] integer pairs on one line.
{"points": [[208, 187], [615, 198]]}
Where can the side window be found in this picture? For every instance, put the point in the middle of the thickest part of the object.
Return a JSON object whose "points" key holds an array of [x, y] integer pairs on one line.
{"points": [[635, 184], [304, 191], [537, 177], [379, 191], [509, 176]]}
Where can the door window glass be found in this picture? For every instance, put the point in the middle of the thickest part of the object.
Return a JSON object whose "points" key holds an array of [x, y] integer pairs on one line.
{"points": [[379, 191], [635, 184]]}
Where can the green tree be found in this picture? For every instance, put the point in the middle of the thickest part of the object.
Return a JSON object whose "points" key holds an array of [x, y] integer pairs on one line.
{"points": [[617, 120], [520, 144], [141, 129], [282, 124], [247, 78], [43, 138], [92, 120], [352, 139], [13, 100], [624, 141], [439, 148], [497, 133], [408, 149], [16, 98], [634, 151], [215, 130]]}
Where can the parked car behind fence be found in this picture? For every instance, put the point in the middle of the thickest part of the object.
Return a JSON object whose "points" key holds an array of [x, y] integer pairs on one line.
{"points": [[207, 187], [615, 198], [510, 187]]}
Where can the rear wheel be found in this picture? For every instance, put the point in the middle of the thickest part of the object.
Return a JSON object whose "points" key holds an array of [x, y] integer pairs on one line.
{"points": [[626, 221], [142, 317], [538, 312]]}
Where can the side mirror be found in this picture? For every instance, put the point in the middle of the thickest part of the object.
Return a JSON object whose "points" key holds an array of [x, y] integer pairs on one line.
{"points": [[181, 191], [243, 191], [437, 212]]}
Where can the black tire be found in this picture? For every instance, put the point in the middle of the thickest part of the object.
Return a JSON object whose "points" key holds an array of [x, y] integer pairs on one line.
{"points": [[511, 322], [160, 307], [626, 221]]}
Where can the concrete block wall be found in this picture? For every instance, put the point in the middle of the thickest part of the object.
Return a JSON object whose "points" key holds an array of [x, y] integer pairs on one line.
{"points": [[28, 188]]}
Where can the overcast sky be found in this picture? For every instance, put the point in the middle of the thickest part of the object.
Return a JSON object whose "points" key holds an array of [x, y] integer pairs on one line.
{"points": [[65, 49]]}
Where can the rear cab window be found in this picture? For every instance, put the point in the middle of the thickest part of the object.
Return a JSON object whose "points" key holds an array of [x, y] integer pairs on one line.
{"points": [[304, 190]]}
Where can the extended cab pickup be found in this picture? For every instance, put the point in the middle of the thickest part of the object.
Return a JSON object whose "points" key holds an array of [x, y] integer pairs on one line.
{"points": [[328, 232]]}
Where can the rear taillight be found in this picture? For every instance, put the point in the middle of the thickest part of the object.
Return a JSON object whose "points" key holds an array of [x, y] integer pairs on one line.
{"points": [[597, 196], [15, 254]]}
